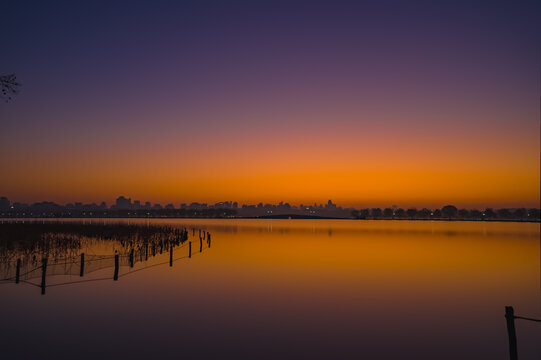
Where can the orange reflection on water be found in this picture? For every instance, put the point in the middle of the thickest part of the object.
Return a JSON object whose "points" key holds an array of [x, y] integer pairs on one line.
{"points": [[328, 289]]}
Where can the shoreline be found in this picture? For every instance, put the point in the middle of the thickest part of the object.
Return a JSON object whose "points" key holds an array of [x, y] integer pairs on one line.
{"points": [[272, 217]]}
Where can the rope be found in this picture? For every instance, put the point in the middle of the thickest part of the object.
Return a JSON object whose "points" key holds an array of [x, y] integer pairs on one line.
{"points": [[162, 263], [76, 282], [26, 273], [525, 318], [153, 265]]}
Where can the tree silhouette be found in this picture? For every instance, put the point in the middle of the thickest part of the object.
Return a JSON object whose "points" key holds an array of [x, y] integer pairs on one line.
{"points": [[376, 213], [489, 213], [504, 213], [364, 213], [449, 211], [533, 213], [412, 212], [425, 213], [520, 213], [9, 85]]}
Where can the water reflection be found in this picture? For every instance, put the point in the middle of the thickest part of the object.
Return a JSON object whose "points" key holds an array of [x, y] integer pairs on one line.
{"points": [[275, 289], [34, 252]]}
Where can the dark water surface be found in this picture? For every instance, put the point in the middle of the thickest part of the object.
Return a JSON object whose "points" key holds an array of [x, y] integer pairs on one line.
{"points": [[281, 289]]}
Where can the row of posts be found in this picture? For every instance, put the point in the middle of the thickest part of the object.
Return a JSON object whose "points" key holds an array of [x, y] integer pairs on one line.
{"points": [[202, 235], [43, 272]]}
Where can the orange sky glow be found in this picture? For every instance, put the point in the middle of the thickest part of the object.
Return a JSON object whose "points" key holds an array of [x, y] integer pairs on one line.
{"points": [[351, 166]]}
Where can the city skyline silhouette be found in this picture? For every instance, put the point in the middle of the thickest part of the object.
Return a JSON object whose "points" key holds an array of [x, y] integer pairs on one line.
{"points": [[124, 207]]}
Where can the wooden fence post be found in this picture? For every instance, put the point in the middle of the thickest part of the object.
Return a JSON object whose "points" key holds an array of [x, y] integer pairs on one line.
{"points": [[510, 317], [115, 277], [81, 273], [43, 274], [18, 271]]}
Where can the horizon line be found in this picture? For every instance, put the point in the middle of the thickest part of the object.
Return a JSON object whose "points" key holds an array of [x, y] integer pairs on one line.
{"points": [[127, 204]]}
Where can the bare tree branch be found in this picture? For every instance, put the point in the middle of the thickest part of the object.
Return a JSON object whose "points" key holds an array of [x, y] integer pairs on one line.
{"points": [[9, 86]]}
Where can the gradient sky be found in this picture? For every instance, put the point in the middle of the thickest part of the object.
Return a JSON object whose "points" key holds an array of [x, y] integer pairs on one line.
{"points": [[418, 103]]}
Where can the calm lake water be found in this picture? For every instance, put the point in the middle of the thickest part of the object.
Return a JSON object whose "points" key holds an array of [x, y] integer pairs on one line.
{"points": [[285, 289]]}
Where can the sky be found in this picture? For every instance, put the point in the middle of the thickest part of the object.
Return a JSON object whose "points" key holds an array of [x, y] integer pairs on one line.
{"points": [[418, 103]]}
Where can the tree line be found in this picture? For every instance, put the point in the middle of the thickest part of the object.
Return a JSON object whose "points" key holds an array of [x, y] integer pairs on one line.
{"points": [[448, 212]]}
